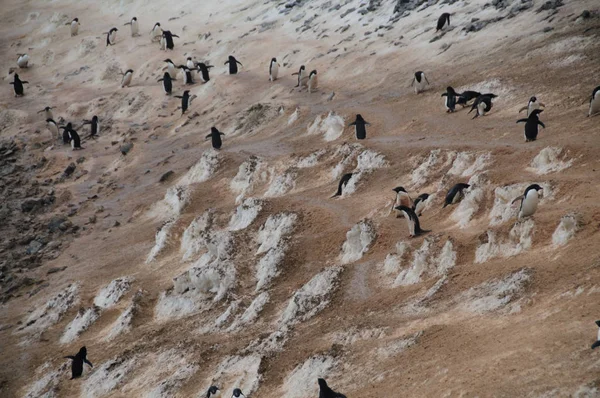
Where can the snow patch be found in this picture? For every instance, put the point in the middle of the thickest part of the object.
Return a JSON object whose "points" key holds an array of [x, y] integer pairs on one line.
{"points": [[252, 312], [107, 377], [393, 261], [172, 383], [293, 117], [549, 160], [84, 319], [203, 169], [250, 173], [519, 240], [302, 381], [331, 127], [426, 262], [162, 235], [239, 371], [358, 240], [112, 293], [123, 324], [46, 385], [367, 162], [271, 234], [310, 160], [347, 153], [503, 209], [245, 214], [50, 313], [466, 164], [566, 230], [469, 205], [281, 184], [395, 347], [268, 266], [195, 236], [175, 200], [495, 294]]}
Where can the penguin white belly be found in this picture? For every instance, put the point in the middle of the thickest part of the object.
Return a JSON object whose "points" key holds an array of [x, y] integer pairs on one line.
{"points": [[595, 105], [53, 129], [112, 37], [481, 108], [23, 60], [274, 71], [74, 28], [419, 86], [48, 114], [134, 28], [190, 64], [420, 207], [163, 44], [156, 34], [532, 107], [171, 70], [457, 197], [303, 81], [312, 84], [126, 80], [529, 205]]}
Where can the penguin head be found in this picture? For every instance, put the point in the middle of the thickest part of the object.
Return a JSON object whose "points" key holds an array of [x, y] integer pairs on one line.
{"points": [[359, 117], [82, 351], [167, 76], [302, 67], [450, 90], [16, 76], [322, 383], [237, 393], [114, 30], [535, 187], [532, 99], [134, 19], [75, 19], [231, 58], [157, 24], [214, 130], [47, 108], [186, 92], [189, 58], [273, 60], [418, 74], [129, 71], [168, 60], [399, 189], [95, 118], [50, 121], [313, 73]]}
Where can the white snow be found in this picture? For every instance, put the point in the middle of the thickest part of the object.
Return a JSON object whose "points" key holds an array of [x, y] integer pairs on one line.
{"points": [[550, 160], [367, 162], [107, 377], [194, 237], [46, 385], [519, 240], [281, 184], [469, 205], [503, 209], [123, 324], [310, 160], [467, 164], [395, 347], [162, 235], [250, 173], [268, 266], [112, 293], [174, 306], [52, 311], [393, 261], [426, 262], [358, 240], [311, 298], [169, 386], [84, 319], [175, 200], [347, 153], [495, 294], [421, 173], [203, 169], [331, 127], [239, 371], [566, 230], [293, 117], [245, 214], [302, 381], [272, 233], [252, 312]]}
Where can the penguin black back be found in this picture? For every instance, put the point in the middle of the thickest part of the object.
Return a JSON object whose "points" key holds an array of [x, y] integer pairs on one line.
{"points": [[185, 100], [93, 125], [455, 193], [299, 73], [204, 71], [212, 390], [233, 69], [360, 127], [77, 362], [215, 136], [445, 17], [531, 125], [326, 392], [170, 44], [466, 96], [167, 83], [450, 95], [343, 182], [18, 85]]}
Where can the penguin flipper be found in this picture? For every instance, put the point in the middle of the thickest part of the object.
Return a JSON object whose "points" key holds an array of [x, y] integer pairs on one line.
{"points": [[177, 96], [445, 95], [352, 124], [85, 360], [426, 78], [541, 124], [522, 121], [70, 357], [517, 199], [226, 62], [221, 133], [598, 323], [239, 62], [523, 109], [208, 136], [596, 344]]}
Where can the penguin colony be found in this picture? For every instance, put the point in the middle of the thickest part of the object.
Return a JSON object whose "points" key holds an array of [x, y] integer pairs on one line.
{"points": [[403, 203]]}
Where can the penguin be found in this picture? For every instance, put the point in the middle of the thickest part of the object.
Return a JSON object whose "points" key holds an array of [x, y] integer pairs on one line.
{"points": [[455, 194], [53, 128], [156, 32], [414, 227], [237, 393], [186, 100], [445, 17], [301, 75], [171, 68], [529, 201], [215, 136], [65, 135], [168, 39], [342, 184], [326, 392], [77, 364], [22, 61], [134, 27], [313, 82], [419, 82], [94, 126], [595, 102], [597, 342], [111, 36], [482, 104], [360, 127], [450, 103], [273, 69], [72, 137], [466, 96], [212, 390], [531, 125], [47, 112], [233, 69], [74, 26], [167, 83], [18, 86], [203, 68], [187, 75], [420, 203], [126, 81], [532, 105], [190, 64], [402, 198]]}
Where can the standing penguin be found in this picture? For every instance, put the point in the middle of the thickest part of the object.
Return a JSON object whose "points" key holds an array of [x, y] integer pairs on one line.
{"points": [[326, 392], [53, 128], [597, 342], [342, 184], [529, 201], [313, 82], [72, 137], [18, 86], [171, 68], [450, 103], [595, 102], [111, 36], [156, 32], [414, 226], [419, 82], [168, 40], [420, 203], [532, 105], [466, 96], [22, 61], [402, 198], [212, 390], [482, 104], [215, 136], [190, 63], [273, 69], [74, 26], [94, 126], [187, 75], [360, 127], [167, 83], [445, 17], [186, 100], [455, 194], [203, 68], [301, 75], [233, 69], [47, 113], [531, 125], [134, 27], [126, 81], [77, 364]]}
